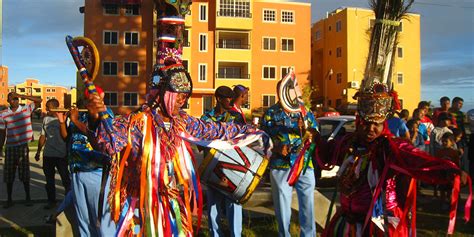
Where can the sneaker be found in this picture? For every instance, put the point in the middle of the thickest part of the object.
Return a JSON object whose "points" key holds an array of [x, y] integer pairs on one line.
{"points": [[8, 204]]}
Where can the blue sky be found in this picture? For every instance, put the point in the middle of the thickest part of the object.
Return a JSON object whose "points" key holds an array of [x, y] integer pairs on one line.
{"points": [[34, 31]]}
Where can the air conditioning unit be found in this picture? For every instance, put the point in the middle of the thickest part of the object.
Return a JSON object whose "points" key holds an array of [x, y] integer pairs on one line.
{"points": [[354, 85]]}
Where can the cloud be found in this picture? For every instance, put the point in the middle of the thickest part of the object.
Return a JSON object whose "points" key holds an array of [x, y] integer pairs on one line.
{"points": [[28, 18]]}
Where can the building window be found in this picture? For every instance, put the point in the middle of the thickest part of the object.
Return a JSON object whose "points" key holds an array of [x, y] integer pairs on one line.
{"points": [[185, 64], [287, 45], [339, 78], [318, 35], [206, 103], [132, 10], [338, 26], [400, 78], [287, 16], [202, 42], [47, 90], [202, 73], [53, 90], [202, 12], [338, 52], [109, 68], [400, 52], [268, 100], [111, 9], [111, 37], [234, 8], [131, 38], [284, 71], [230, 72], [338, 103], [269, 15], [110, 98], [186, 38], [269, 44], [130, 69], [269, 72], [130, 99]]}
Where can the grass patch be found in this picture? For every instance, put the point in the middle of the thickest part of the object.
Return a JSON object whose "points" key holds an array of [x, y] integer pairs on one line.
{"points": [[265, 226]]}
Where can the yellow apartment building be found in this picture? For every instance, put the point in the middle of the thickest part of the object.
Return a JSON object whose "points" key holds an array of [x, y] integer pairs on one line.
{"points": [[3, 85], [340, 45], [32, 87], [248, 42]]}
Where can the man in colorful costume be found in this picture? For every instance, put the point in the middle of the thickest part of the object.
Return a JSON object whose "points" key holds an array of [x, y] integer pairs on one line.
{"points": [[287, 129], [219, 205], [376, 192], [153, 169]]}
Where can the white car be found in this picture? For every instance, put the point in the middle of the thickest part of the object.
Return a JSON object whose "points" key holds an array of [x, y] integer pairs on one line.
{"points": [[332, 127]]}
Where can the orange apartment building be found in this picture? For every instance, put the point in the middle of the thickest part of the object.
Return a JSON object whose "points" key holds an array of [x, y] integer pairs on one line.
{"points": [[340, 45], [32, 87], [246, 42], [3, 85]]}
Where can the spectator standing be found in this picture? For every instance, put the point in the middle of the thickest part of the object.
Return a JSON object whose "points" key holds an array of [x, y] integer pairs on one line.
{"points": [[445, 104], [397, 125], [422, 129], [217, 204], [415, 135], [449, 152], [470, 149], [16, 130], [458, 115], [54, 154], [424, 108], [241, 97], [444, 121]]}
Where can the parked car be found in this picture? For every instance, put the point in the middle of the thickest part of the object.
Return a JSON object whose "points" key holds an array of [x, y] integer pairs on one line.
{"points": [[331, 127]]}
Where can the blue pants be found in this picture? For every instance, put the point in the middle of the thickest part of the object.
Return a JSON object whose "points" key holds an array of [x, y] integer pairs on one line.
{"points": [[86, 191], [282, 194], [218, 206]]}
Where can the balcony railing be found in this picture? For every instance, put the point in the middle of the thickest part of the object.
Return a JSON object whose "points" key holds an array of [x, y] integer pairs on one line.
{"points": [[232, 76], [232, 46], [232, 13]]}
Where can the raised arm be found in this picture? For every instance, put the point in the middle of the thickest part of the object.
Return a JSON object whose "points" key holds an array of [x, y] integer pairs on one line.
{"points": [[35, 99], [213, 130]]}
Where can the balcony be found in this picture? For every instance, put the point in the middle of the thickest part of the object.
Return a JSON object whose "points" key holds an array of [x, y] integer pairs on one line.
{"points": [[236, 41], [234, 19], [232, 46], [232, 76]]}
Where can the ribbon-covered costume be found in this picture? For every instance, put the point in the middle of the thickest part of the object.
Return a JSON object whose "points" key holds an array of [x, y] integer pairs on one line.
{"points": [[377, 175]]}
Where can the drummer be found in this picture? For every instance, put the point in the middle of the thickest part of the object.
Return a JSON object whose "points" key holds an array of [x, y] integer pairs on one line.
{"points": [[286, 129], [216, 201]]}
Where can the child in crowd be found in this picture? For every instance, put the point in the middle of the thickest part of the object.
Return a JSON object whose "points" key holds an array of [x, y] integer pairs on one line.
{"points": [[416, 136], [448, 152]]}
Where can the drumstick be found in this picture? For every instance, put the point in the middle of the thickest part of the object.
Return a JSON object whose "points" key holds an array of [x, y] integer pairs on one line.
{"points": [[66, 110]]}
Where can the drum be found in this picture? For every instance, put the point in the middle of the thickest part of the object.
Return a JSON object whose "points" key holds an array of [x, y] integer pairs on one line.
{"points": [[235, 172]]}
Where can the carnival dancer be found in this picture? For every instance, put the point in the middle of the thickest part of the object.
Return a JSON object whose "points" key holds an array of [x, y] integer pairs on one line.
{"points": [[86, 166], [286, 129], [155, 173], [241, 97], [376, 194], [219, 205]]}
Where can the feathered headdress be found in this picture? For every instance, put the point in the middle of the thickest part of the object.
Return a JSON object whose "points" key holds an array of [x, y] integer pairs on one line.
{"points": [[376, 98]]}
